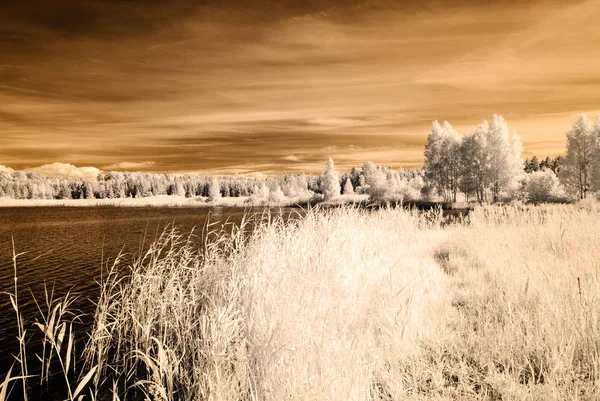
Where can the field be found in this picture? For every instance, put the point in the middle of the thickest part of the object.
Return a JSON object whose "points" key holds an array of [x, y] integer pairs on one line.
{"points": [[349, 304]]}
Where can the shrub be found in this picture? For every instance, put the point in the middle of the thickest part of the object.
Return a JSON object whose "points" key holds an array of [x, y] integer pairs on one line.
{"points": [[543, 186]]}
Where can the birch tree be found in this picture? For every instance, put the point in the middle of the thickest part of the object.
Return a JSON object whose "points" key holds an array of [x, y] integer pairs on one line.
{"points": [[576, 171], [504, 157], [595, 159], [442, 159], [474, 163]]}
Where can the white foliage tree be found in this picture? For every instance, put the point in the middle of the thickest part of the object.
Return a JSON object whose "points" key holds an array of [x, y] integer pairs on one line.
{"points": [[595, 156], [179, 189], [474, 162], [406, 189], [514, 172], [504, 158], [451, 159], [375, 181], [295, 186], [576, 171], [262, 191], [331, 181], [442, 159], [214, 190], [348, 188], [433, 156], [289, 186], [276, 195], [260, 194]]}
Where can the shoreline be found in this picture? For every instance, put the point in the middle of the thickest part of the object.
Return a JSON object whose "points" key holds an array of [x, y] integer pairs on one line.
{"points": [[242, 202], [175, 201]]}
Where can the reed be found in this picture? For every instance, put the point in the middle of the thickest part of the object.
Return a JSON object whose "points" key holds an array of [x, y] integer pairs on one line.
{"points": [[354, 304], [57, 344]]}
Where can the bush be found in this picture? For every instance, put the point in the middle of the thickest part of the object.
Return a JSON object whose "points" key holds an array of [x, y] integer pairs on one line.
{"points": [[543, 186]]}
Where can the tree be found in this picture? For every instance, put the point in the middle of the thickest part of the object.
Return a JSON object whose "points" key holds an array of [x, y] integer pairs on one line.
{"points": [[442, 159], [474, 162], [544, 164], [214, 190], [331, 181], [576, 170], [433, 155], [178, 189], [260, 193], [557, 164], [533, 165], [403, 186], [276, 195], [374, 181], [87, 191], [504, 163], [595, 156], [348, 188], [450, 159]]}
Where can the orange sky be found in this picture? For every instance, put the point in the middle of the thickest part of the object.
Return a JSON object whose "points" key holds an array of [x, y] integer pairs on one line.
{"points": [[225, 87]]}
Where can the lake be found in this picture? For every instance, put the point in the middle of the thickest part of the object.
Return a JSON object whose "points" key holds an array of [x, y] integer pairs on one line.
{"points": [[65, 247]]}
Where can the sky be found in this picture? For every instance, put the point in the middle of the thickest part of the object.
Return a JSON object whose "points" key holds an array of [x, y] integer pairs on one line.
{"points": [[268, 87]]}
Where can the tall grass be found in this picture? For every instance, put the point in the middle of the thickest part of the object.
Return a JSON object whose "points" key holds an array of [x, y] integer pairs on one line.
{"points": [[57, 348], [348, 304], [526, 285], [307, 308]]}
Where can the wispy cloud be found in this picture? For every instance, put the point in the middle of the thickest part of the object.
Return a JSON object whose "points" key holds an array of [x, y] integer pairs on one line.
{"points": [[129, 166], [292, 158]]}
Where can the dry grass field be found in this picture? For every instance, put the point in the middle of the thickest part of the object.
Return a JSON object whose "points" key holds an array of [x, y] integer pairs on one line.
{"points": [[348, 304]]}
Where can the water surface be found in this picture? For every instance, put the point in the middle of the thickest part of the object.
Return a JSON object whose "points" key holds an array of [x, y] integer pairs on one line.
{"points": [[66, 247]]}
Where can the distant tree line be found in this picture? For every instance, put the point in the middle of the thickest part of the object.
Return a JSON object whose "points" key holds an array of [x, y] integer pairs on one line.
{"points": [[368, 179], [27, 185], [483, 164]]}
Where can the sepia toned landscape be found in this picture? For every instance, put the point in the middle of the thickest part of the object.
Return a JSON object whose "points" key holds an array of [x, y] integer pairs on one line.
{"points": [[320, 200]]}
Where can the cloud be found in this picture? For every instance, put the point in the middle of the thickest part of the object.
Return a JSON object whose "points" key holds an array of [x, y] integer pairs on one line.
{"points": [[129, 166], [253, 81], [66, 169], [292, 158], [5, 169]]}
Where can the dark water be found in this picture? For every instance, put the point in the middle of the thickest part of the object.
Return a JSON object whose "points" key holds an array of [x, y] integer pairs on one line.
{"points": [[65, 248]]}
